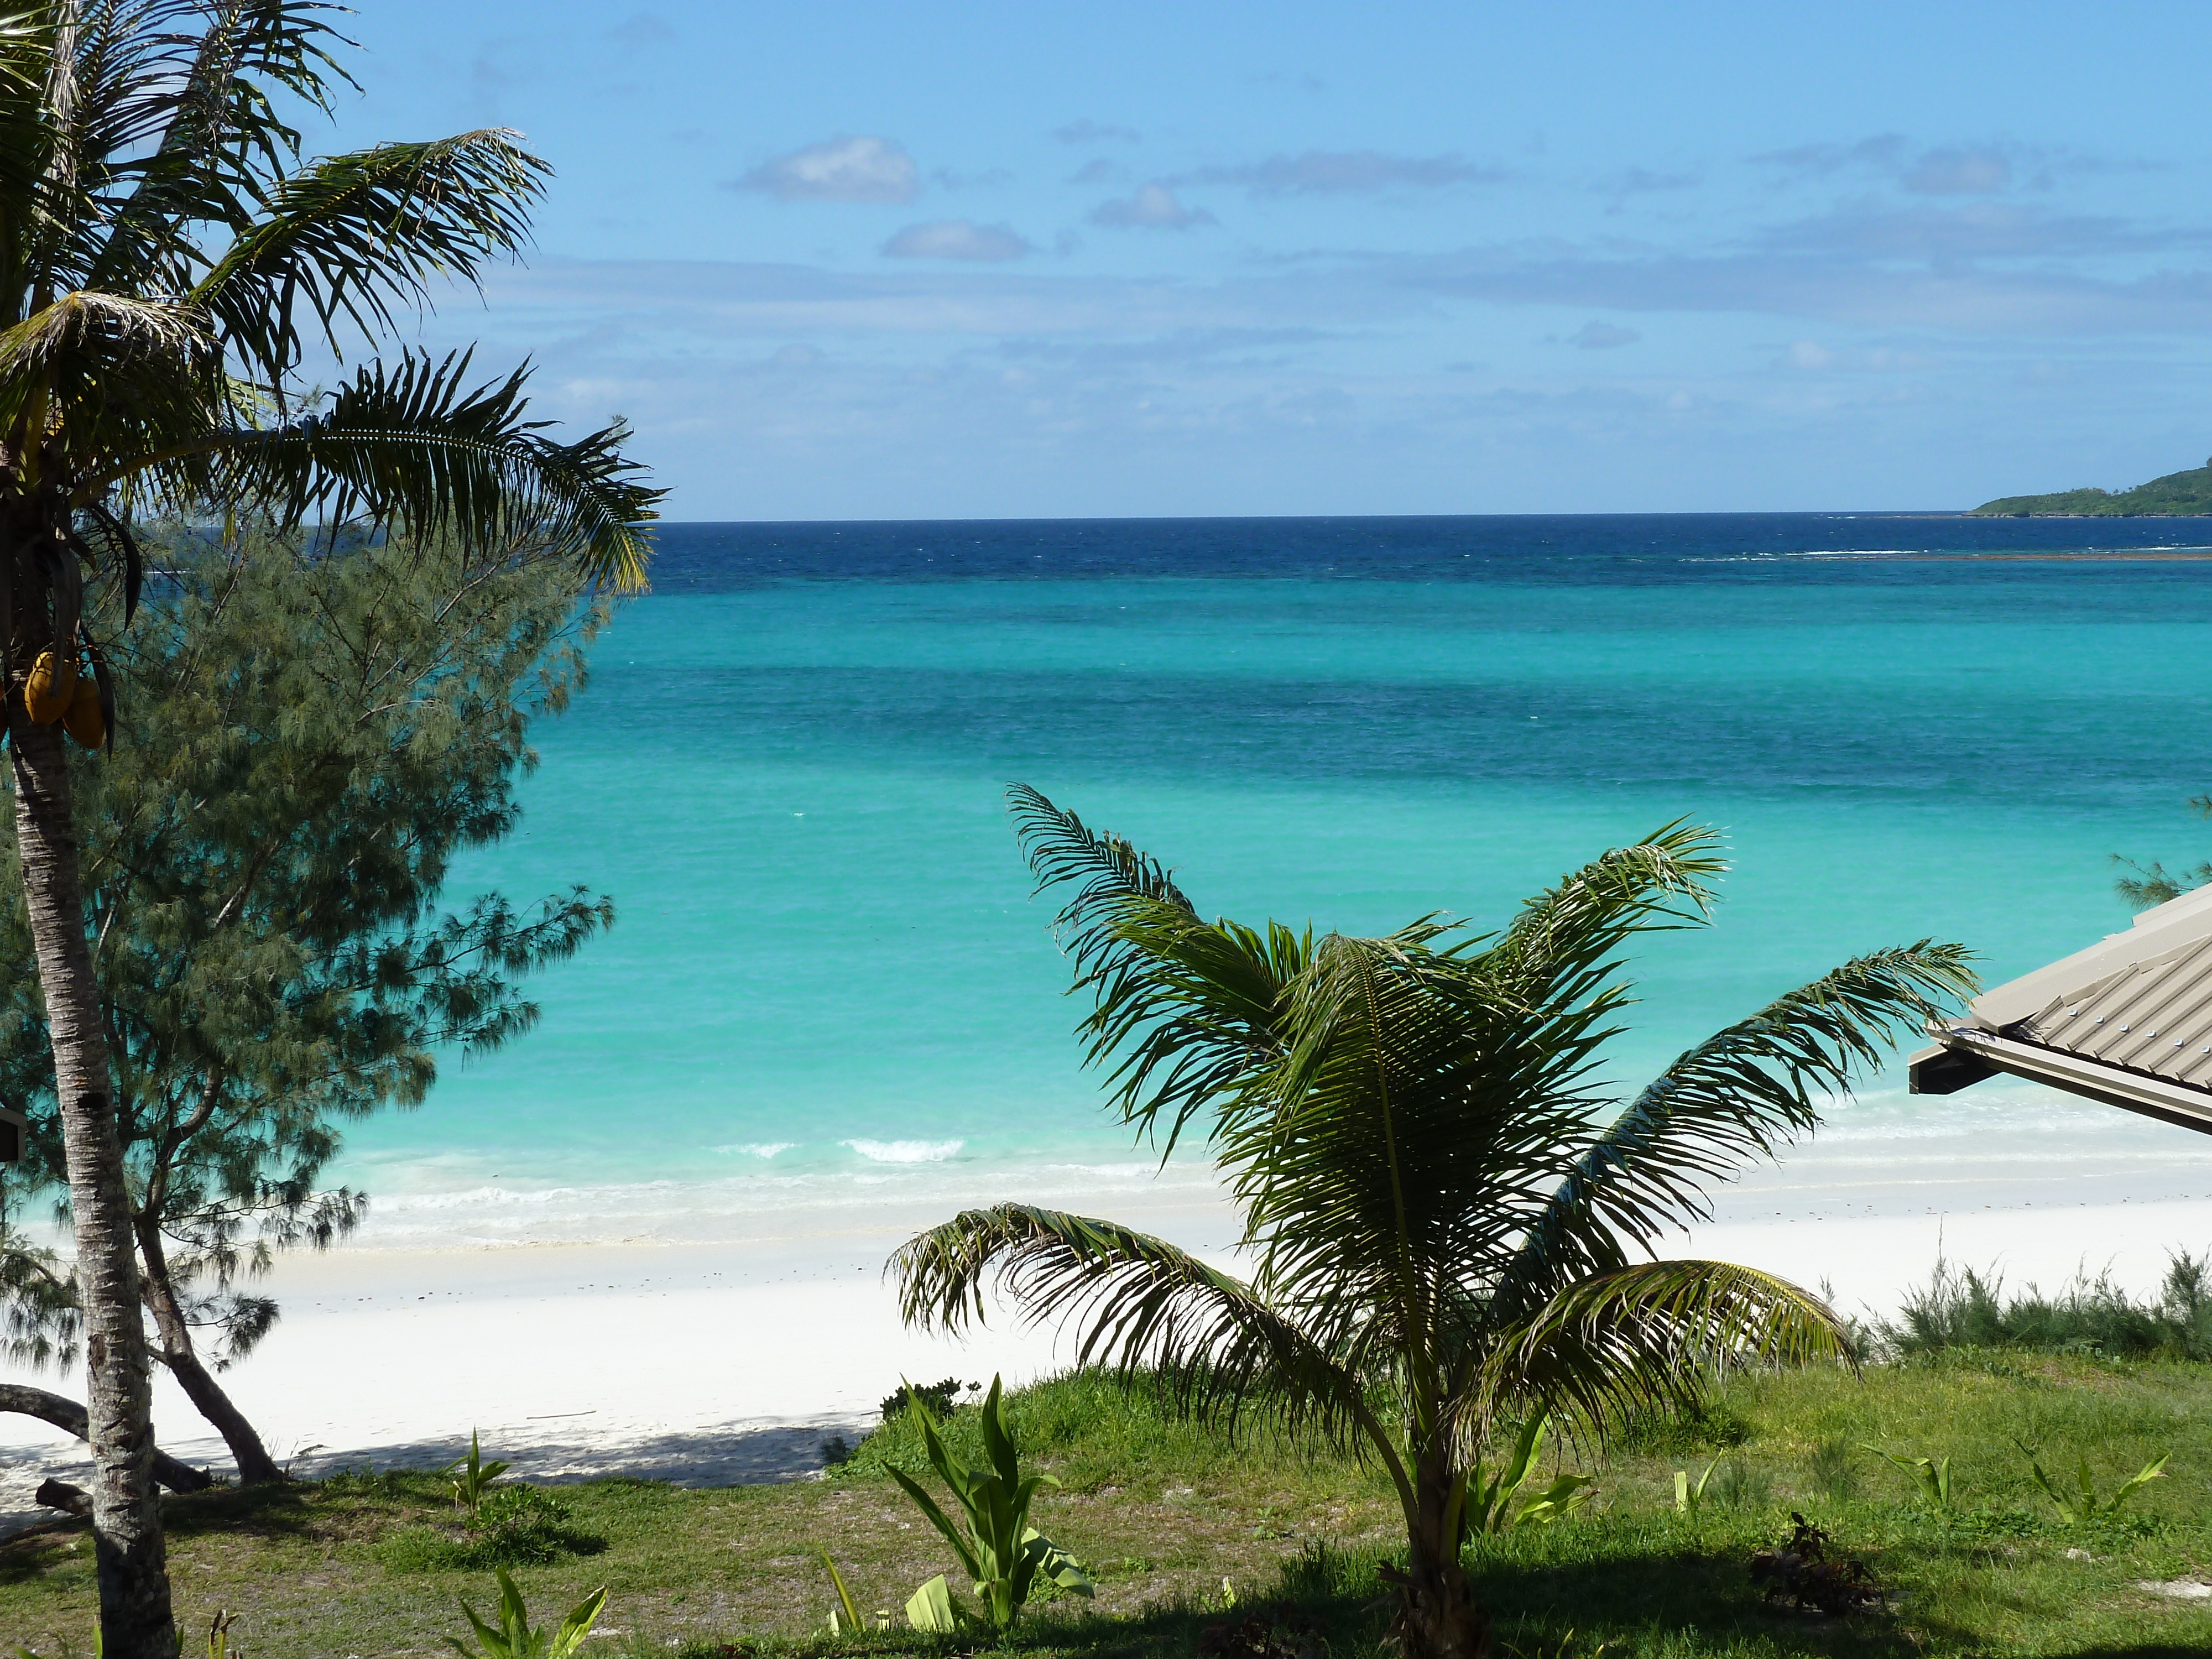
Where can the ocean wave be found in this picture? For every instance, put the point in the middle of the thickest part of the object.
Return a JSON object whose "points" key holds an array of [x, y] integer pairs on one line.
{"points": [[756, 1149], [905, 1152]]}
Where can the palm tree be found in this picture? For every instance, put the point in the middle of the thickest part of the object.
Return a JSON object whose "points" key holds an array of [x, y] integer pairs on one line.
{"points": [[168, 259], [1442, 1205]]}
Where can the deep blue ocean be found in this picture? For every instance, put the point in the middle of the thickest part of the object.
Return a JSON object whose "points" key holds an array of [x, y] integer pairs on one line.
{"points": [[829, 985]]}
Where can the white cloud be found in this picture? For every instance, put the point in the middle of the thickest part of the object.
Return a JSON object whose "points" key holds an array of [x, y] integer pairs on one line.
{"points": [[1958, 172], [1982, 169], [642, 29], [1595, 336], [1154, 207], [840, 169], [956, 239], [1330, 172], [1096, 133], [1642, 181]]}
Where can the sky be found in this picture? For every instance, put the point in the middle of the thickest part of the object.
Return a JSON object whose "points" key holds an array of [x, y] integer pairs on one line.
{"points": [[894, 261]]}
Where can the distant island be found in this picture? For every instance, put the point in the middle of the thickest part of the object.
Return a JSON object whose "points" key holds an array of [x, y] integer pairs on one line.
{"points": [[2177, 495]]}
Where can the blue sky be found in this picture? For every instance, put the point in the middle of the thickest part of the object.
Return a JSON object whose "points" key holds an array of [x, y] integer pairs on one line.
{"points": [[891, 261]]}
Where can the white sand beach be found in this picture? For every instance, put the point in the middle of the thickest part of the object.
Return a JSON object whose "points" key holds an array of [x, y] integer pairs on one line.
{"points": [[714, 1362]]}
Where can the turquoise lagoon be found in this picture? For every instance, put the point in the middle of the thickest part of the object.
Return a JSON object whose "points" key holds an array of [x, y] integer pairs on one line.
{"points": [[829, 990]]}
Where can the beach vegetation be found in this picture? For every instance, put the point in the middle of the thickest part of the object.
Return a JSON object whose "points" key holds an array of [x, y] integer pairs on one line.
{"points": [[1003, 1556], [1961, 1308], [311, 742], [1440, 1197], [471, 1475], [2081, 1506], [846, 1618], [1504, 1501], [1690, 1496], [937, 1399], [1743, 1484], [1832, 1471], [1165, 1509], [1930, 1476], [514, 1526], [181, 280], [515, 1637]]}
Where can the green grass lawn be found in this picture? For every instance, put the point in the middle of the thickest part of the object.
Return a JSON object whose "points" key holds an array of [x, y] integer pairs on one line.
{"points": [[1164, 1512]]}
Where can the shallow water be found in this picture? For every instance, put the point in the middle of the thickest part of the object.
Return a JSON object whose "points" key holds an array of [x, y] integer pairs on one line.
{"points": [[829, 992]]}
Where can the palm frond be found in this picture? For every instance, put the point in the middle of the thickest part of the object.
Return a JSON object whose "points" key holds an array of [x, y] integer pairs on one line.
{"points": [[1735, 1097], [352, 237], [1192, 1002], [1139, 1302], [205, 130], [1654, 1334], [413, 445], [110, 365], [1417, 1117], [1059, 849], [1560, 941]]}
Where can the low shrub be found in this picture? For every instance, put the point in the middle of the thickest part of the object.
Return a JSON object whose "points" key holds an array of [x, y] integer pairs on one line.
{"points": [[1961, 1309], [1711, 1425], [512, 1526], [935, 1398]]}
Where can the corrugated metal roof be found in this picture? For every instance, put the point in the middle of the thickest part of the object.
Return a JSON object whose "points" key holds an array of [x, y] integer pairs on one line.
{"points": [[2153, 1015], [2135, 1005]]}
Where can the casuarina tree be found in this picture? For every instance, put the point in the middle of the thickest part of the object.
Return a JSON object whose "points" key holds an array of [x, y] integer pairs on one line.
{"points": [[190, 310], [1443, 1203], [308, 743]]}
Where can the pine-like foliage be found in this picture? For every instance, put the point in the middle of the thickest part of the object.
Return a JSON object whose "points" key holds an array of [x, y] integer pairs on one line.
{"points": [[313, 740]]}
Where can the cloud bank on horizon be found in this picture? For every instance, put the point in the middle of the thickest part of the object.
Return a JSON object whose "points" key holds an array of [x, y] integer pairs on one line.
{"points": [[858, 261]]}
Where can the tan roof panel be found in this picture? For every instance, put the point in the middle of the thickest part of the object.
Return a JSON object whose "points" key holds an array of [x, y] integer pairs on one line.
{"points": [[2127, 1021], [2153, 1015]]}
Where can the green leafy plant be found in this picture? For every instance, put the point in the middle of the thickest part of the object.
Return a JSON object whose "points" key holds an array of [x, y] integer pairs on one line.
{"points": [[2082, 1507], [1003, 1555], [1832, 1472], [845, 1619], [1441, 1208], [1931, 1474], [1497, 1504], [471, 1477], [218, 1638], [1742, 1485], [513, 1527], [514, 1638], [1689, 1499], [938, 1397]]}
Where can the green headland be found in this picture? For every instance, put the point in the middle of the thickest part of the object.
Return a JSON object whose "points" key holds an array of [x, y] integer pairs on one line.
{"points": [[2177, 495]]}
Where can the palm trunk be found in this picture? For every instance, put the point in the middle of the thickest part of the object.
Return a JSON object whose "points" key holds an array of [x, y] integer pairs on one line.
{"points": [[135, 1616], [255, 1466], [1438, 1617]]}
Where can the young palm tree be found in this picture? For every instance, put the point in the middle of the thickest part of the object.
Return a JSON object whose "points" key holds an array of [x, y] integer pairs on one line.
{"points": [[1442, 1205], [167, 260]]}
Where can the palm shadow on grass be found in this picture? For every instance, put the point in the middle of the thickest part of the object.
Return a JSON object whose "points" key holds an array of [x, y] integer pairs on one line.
{"points": [[220, 1511], [1627, 1600]]}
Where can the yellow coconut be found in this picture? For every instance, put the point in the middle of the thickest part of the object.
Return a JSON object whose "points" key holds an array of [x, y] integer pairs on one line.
{"points": [[83, 721], [51, 688]]}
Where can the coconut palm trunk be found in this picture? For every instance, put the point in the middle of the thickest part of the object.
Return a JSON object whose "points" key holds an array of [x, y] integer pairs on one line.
{"points": [[169, 258], [1438, 1615], [135, 1615]]}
